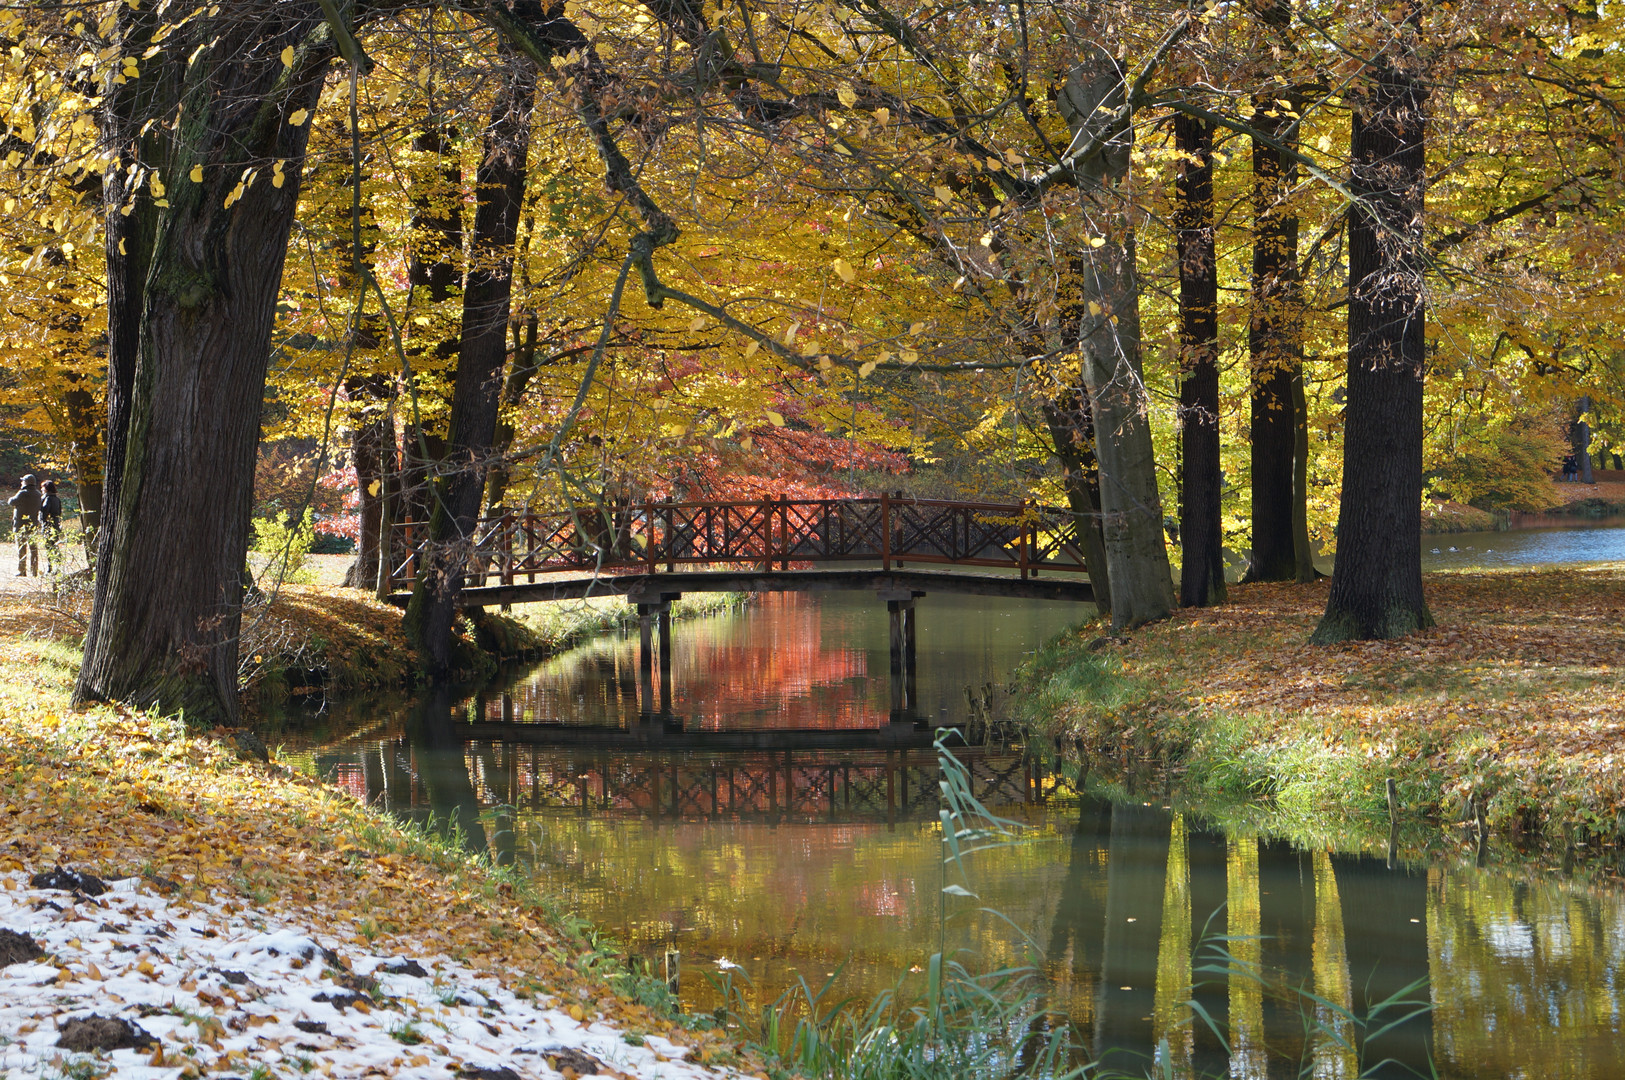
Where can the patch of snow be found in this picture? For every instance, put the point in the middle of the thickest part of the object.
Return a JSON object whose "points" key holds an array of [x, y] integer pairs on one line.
{"points": [[225, 991]]}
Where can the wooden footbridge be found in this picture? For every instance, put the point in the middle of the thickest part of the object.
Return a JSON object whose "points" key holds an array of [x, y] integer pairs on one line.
{"points": [[889, 544], [652, 553]]}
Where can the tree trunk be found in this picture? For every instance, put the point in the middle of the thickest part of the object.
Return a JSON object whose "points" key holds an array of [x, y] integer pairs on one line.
{"points": [[1073, 433], [1201, 577], [435, 268], [190, 324], [1377, 583], [1274, 339], [483, 348], [1302, 547], [513, 392], [372, 451], [1109, 341], [1580, 438]]}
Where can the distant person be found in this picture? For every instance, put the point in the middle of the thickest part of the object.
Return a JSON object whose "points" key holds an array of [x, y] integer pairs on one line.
{"points": [[50, 519], [25, 511], [1571, 468]]}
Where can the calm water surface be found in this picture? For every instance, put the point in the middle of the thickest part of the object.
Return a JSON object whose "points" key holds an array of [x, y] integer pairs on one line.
{"points": [[779, 818], [1579, 542]]}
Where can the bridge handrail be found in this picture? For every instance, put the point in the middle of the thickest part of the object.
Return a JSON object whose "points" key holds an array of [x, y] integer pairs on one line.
{"points": [[772, 532]]}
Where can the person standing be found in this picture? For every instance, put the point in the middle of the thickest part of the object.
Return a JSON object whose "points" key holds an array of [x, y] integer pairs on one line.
{"points": [[50, 519], [25, 511]]}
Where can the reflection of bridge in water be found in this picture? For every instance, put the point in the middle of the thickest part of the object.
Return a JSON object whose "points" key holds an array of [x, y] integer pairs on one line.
{"points": [[416, 780]]}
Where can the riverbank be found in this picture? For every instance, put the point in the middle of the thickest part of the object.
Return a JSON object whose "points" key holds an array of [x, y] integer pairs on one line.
{"points": [[215, 847], [1506, 717]]}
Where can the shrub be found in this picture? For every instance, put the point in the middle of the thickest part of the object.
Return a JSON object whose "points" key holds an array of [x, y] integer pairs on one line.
{"points": [[1508, 467], [283, 548]]}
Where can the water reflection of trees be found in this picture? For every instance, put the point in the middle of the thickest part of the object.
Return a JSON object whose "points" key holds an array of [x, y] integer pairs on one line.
{"points": [[796, 863], [1120, 899]]}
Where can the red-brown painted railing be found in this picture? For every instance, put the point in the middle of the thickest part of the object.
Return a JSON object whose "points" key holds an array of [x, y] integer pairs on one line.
{"points": [[771, 534]]}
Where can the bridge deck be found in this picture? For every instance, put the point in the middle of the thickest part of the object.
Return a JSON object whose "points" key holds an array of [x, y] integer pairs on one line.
{"points": [[650, 588]]}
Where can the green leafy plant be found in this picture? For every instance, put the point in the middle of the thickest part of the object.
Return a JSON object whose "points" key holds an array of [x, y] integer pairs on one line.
{"points": [[285, 549]]}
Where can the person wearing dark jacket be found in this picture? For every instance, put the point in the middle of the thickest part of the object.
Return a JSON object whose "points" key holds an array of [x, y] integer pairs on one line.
{"points": [[25, 511], [50, 519]]}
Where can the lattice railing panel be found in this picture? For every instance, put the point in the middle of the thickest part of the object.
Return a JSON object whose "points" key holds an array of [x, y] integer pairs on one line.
{"points": [[772, 534]]}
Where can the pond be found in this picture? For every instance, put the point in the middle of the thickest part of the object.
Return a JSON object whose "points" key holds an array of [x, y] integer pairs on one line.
{"points": [[1570, 544], [780, 822]]}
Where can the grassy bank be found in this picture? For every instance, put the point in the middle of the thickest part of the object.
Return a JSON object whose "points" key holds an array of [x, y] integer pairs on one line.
{"points": [[122, 794], [1508, 713]]}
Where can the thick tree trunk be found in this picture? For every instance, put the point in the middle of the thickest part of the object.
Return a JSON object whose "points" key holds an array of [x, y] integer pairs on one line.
{"points": [[1377, 584], [164, 629], [483, 348], [1109, 342], [1274, 340], [1073, 433], [1201, 577]]}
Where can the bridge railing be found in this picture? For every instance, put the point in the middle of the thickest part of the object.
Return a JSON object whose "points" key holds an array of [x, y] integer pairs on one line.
{"points": [[513, 547]]}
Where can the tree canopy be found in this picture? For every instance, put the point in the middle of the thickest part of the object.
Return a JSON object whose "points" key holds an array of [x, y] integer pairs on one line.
{"points": [[524, 255]]}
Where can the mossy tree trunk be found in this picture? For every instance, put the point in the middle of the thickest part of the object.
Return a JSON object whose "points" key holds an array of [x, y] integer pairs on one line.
{"points": [[194, 271], [482, 350], [1377, 584]]}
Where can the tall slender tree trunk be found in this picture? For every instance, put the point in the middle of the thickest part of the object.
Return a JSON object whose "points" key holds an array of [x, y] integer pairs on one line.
{"points": [[372, 452], [1377, 584], [483, 347], [82, 415], [1274, 341], [513, 392], [1201, 577], [1109, 344], [192, 297], [436, 268], [1303, 549]]}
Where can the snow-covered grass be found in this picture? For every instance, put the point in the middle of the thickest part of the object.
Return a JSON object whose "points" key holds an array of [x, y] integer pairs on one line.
{"points": [[216, 987]]}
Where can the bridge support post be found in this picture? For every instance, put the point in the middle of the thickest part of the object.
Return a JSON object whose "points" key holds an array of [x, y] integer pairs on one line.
{"points": [[900, 615], [646, 669], [664, 620]]}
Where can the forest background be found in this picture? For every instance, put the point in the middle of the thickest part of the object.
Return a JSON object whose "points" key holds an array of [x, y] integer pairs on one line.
{"points": [[590, 254]]}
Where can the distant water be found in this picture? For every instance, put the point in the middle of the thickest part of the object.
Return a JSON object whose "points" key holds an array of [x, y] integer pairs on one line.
{"points": [[1524, 547]]}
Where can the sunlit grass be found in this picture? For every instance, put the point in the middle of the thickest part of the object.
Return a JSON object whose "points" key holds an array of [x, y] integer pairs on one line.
{"points": [[1510, 706]]}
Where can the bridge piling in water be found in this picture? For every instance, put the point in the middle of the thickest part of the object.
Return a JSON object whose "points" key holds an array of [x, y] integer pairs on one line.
{"points": [[902, 638]]}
